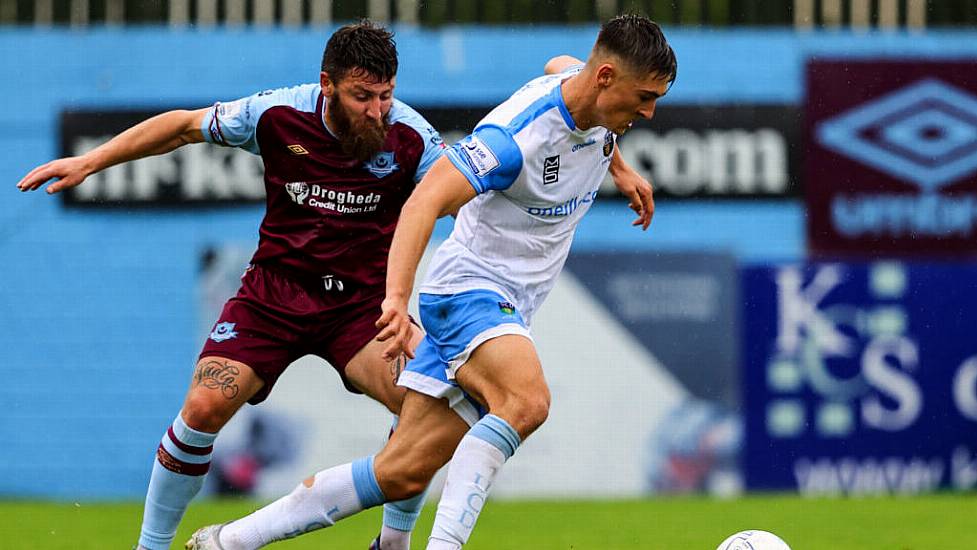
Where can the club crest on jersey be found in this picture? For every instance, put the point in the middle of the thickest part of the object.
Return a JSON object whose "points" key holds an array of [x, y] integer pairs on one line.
{"points": [[223, 331], [435, 137], [608, 143], [507, 308], [298, 190], [382, 164]]}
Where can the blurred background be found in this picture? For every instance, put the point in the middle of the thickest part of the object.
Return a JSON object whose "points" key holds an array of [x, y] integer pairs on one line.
{"points": [[800, 317]]}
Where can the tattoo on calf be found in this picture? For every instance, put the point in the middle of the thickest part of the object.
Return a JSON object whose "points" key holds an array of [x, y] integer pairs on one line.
{"points": [[217, 376]]}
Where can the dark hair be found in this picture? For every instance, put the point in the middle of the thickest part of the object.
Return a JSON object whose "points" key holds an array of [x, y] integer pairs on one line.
{"points": [[362, 45], [640, 43]]}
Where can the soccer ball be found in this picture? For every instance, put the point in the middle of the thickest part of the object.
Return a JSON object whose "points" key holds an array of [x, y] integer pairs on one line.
{"points": [[753, 540]]}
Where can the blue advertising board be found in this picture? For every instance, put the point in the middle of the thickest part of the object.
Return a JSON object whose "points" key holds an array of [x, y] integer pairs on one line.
{"points": [[680, 305], [860, 378]]}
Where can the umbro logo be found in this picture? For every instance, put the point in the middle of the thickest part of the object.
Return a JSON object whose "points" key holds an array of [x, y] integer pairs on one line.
{"points": [[297, 149], [925, 133]]}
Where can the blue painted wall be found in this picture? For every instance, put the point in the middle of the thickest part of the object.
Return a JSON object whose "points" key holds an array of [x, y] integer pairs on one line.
{"points": [[97, 309]]}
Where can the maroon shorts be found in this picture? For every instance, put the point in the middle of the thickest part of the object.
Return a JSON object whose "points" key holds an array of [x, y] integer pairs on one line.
{"points": [[278, 317]]}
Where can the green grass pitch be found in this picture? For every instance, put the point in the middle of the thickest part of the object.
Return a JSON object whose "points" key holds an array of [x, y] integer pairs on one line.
{"points": [[944, 522]]}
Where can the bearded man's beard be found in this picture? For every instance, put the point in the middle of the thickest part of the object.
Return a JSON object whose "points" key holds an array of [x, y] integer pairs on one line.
{"points": [[361, 140]]}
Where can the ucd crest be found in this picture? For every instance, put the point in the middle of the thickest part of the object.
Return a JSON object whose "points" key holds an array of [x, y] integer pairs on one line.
{"points": [[382, 164]]}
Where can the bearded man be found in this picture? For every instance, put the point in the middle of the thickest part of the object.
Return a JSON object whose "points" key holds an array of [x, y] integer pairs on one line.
{"points": [[341, 157]]}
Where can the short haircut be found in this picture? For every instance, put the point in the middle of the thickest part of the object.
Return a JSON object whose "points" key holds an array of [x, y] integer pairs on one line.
{"points": [[640, 43], [365, 46]]}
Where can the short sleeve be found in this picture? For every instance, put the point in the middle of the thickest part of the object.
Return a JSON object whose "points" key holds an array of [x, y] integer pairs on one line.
{"points": [[433, 144], [490, 158], [433, 147], [234, 123]]}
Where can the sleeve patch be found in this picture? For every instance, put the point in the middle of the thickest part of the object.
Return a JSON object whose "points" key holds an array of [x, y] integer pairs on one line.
{"points": [[479, 157], [229, 109]]}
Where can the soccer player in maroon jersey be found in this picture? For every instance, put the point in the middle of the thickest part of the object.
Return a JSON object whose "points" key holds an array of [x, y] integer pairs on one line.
{"points": [[341, 157], [513, 231]]}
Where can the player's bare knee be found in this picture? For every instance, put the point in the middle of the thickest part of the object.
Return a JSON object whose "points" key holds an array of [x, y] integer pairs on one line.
{"points": [[535, 412], [526, 413], [202, 413]]}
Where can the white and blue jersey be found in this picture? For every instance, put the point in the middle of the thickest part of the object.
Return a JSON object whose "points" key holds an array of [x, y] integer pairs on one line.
{"points": [[535, 175]]}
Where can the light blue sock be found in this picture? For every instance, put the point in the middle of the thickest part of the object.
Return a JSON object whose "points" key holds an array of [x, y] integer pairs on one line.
{"points": [[402, 514], [365, 483], [497, 432], [182, 461]]}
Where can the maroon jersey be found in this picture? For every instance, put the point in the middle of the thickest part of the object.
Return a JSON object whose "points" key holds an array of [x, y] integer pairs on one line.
{"points": [[329, 216]]}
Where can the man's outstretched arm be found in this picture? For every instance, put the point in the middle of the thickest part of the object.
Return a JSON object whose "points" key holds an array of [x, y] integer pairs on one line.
{"points": [[155, 136], [442, 192]]}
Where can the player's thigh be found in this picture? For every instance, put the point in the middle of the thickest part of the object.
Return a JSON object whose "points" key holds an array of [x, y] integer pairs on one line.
{"points": [[426, 436], [218, 388], [503, 367], [505, 375], [370, 374]]}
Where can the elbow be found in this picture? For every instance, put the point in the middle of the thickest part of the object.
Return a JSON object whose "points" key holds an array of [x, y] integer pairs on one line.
{"points": [[415, 208], [428, 208], [189, 123]]}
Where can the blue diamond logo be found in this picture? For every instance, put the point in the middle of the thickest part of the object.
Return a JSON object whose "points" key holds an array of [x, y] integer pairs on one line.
{"points": [[925, 133], [931, 134]]}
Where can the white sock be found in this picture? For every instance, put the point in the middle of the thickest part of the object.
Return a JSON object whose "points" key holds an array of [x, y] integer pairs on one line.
{"points": [[435, 544], [335, 493], [476, 461]]}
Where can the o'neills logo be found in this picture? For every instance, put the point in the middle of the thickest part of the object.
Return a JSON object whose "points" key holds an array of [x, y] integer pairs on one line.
{"points": [[342, 202]]}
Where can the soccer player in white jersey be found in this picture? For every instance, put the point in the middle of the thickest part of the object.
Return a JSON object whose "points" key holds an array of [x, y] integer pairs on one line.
{"points": [[520, 183]]}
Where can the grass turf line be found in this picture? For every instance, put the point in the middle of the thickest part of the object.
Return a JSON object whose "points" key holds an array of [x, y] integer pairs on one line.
{"points": [[892, 523]]}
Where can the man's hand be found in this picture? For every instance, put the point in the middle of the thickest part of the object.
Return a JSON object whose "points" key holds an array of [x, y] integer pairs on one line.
{"points": [[70, 172], [395, 326], [155, 136], [639, 193]]}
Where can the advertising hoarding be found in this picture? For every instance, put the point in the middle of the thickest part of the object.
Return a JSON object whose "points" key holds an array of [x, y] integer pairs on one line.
{"points": [[860, 378], [891, 157], [687, 152]]}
